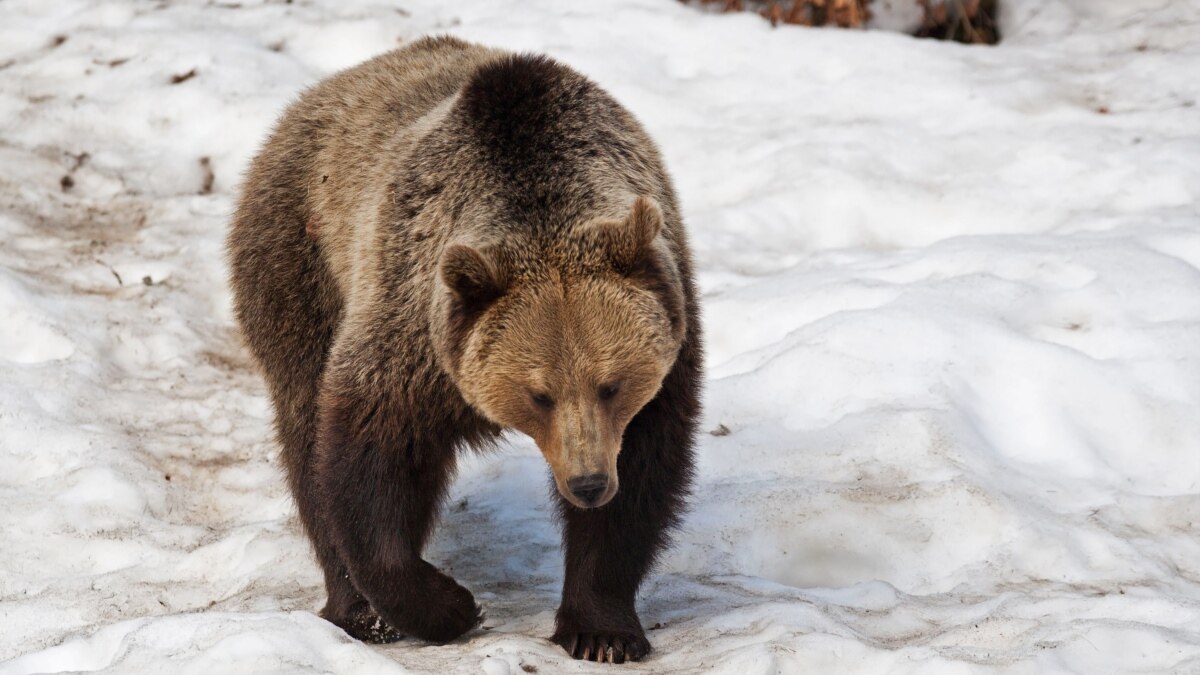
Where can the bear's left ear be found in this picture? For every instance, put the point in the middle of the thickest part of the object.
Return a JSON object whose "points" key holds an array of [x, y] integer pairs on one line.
{"points": [[471, 275], [629, 242]]}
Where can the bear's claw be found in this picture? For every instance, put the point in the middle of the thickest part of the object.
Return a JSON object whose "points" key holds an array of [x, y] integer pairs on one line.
{"points": [[605, 647], [364, 623]]}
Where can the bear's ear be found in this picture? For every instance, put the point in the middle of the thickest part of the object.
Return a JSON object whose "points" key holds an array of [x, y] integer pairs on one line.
{"points": [[629, 242], [471, 275]]}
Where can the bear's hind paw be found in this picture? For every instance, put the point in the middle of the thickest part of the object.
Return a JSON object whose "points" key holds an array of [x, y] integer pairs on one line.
{"points": [[363, 623]]}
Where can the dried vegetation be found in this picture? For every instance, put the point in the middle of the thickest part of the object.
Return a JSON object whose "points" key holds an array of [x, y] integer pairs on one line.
{"points": [[968, 21]]}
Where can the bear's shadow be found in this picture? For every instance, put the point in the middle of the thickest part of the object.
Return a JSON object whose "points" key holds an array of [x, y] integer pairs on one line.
{"points": [[498, 534]]}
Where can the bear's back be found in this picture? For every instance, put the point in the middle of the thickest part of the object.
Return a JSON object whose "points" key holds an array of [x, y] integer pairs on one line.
{"points": [[446, 140]]}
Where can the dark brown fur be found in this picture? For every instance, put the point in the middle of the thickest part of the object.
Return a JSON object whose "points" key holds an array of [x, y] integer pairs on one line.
{"points": [[405, 223]]}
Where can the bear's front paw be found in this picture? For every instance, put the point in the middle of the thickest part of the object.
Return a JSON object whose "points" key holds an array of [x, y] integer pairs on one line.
{"points": [[604, 630], [434, 607], [603, 647], [364, 623]]}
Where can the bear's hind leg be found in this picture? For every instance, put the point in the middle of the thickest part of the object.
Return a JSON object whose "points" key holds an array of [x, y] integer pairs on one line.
{"points": [[346, 608], [349, 610], [288, 306]]}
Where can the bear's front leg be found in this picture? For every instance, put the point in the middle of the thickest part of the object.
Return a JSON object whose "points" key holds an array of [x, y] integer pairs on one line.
{"points": [[610, 549], [382, 475]]}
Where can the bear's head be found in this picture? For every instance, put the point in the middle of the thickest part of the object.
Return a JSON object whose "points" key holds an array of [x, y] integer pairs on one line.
{"points": [[566, 344]]}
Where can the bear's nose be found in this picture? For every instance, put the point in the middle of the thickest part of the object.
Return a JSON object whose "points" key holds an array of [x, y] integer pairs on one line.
{"points": [[588, 489]]}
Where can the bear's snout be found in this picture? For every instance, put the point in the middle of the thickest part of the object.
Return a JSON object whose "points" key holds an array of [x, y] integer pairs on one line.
{"points": [[590, 489]]}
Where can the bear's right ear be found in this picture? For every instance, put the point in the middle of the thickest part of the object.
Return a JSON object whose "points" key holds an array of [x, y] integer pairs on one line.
{"points": [[629, 242], [471, 276]]}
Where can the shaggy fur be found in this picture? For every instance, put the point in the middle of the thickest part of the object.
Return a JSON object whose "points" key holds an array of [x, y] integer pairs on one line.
{"points": [[448, 241]]}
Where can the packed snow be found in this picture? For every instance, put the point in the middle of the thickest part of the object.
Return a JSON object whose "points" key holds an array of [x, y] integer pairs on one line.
{"points": [[951, 297]]}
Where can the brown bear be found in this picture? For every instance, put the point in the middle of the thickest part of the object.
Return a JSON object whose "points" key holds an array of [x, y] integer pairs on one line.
{"points": [[442, 243]]}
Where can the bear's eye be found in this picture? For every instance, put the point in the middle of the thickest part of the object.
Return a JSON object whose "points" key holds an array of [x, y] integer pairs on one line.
{"points": [[542, 400], [608, 391]]}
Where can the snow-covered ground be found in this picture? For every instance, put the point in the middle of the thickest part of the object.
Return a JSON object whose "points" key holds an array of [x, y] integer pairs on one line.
{"points": [[952, 299]]}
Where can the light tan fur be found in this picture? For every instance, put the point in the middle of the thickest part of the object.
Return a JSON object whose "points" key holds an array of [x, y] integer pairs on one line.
{"points": [[364, 148], [568, 339]]}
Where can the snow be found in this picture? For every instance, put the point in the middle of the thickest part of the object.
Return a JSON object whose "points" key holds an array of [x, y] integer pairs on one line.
{"points": [[952, 303]]}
